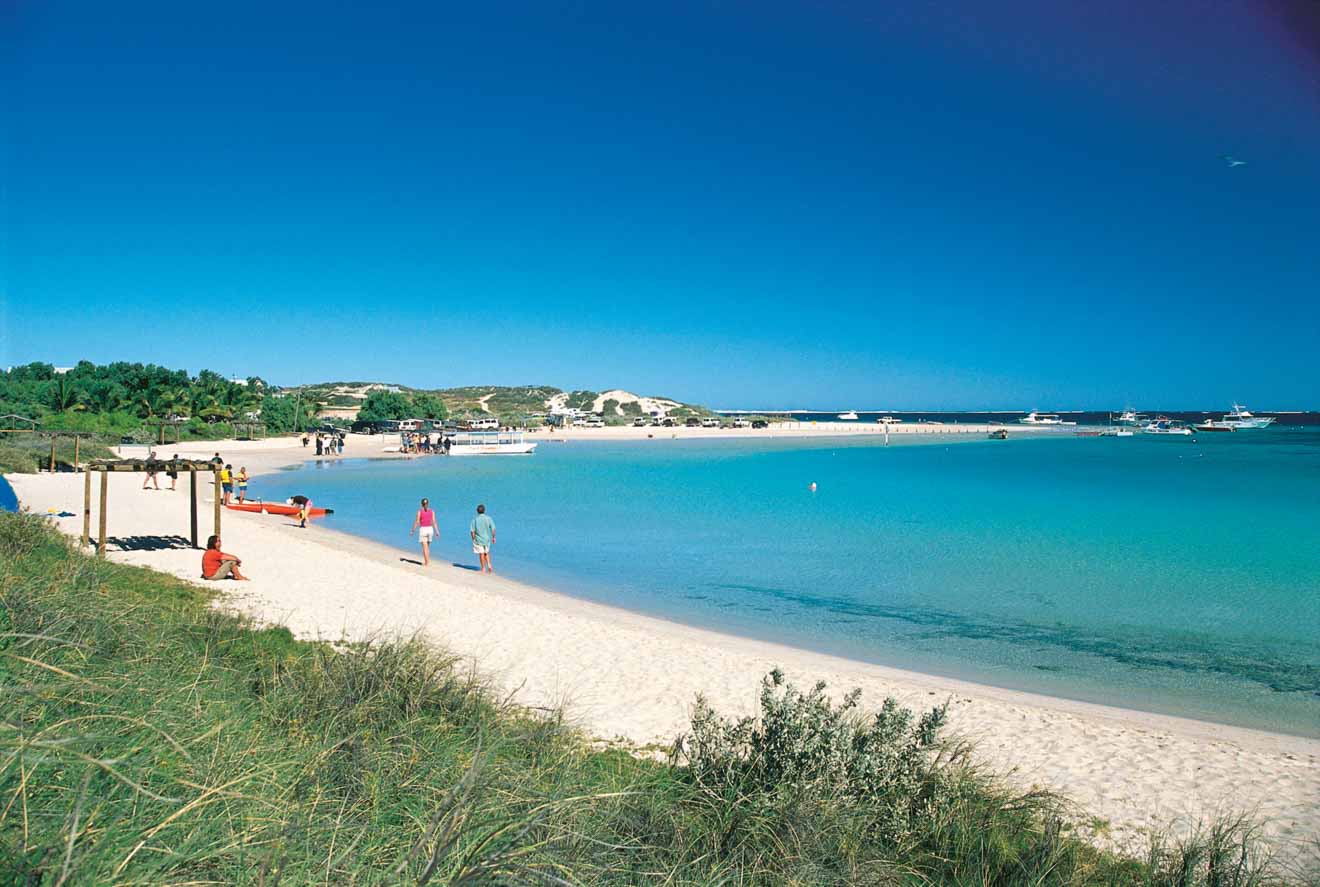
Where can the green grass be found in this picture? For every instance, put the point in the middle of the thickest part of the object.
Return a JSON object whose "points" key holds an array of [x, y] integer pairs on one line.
{"points": [[147, 738], [25, 453]]}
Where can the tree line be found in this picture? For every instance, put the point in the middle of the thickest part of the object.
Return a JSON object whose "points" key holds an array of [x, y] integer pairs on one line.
{"points": [[120, 397]]}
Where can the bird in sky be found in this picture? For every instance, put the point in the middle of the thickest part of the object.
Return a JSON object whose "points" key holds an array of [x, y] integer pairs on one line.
{"points": [[1233, 161]]}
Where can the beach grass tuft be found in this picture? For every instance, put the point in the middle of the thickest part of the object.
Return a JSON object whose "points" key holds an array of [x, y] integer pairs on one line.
{"points": [[149, 737]]}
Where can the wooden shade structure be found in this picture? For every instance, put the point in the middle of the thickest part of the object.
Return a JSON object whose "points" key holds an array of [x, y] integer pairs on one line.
{"points": [[56, 435], [252, 427], [10, 423], [161, 424], [105, 466]]}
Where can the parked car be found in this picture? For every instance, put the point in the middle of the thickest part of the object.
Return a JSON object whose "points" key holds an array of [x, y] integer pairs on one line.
{"points": [[710, 422], [641, 422], [693, 422], [760, 423], [741, 423]]}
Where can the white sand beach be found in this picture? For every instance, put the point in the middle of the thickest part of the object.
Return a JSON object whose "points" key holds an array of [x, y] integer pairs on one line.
{"points": [[622, 675]]}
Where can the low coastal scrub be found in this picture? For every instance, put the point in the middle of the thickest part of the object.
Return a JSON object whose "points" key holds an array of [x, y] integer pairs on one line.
{"points": [[147, 737], [24, 453]]}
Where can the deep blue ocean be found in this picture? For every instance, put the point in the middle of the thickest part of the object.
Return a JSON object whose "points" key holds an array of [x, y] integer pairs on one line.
{"points": [[1175, 575]]}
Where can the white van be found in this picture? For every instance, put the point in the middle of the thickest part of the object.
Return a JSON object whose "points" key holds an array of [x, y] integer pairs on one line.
{"points": [[490, 424], [710, 422]]}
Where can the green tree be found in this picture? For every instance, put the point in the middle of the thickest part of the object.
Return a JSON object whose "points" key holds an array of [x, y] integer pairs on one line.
{"points": [[383, 405], [428, 406]]}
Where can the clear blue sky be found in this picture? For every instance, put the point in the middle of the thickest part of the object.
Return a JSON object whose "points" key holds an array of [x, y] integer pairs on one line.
{"points": [[940, 205]]}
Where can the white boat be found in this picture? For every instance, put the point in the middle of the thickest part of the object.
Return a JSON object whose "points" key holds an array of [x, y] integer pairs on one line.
{"points": [[889, 420], [1213, 425], [490, 443], [1129, 417], [1117, 431], [849, 416], [1242, 420], [1035, 418], [1165, 425]]}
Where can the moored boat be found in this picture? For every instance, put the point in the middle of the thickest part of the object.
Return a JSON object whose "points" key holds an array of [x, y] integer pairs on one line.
{"points": [[1035, 418], [1212, 425], [849, 416], [490, 443], [1165, 425], [1241, 419]]}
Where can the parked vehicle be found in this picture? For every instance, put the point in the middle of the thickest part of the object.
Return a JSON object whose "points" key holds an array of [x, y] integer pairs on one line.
{"points": [[710, 422], [760, 423], [641, 422], [741, 423], [692, 422]]}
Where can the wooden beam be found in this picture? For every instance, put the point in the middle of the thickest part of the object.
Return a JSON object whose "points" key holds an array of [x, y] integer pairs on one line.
{"points": [[76, 441], [87, 507], [100, 545], [192, 502], [52, 454], [217, 501]]}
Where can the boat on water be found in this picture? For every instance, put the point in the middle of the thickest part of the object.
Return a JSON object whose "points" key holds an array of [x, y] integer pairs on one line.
{"points": [[1035, 418], [1129, 416], [998, 434], [889, 420], [1165, 425], [1241, 419], [1213, 425], [1117, 431], [1089, 432], [849, 416], [490, 443]]}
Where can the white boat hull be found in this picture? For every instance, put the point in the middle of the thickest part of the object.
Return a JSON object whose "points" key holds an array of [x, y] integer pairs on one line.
{"points": [[522, 449]]}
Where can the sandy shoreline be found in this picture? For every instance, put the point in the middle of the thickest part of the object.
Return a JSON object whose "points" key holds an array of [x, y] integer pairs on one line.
{"points": [[634, 677]]}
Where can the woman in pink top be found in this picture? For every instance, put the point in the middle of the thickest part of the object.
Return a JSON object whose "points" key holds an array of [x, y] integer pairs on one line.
{"points": [[424, 526]]}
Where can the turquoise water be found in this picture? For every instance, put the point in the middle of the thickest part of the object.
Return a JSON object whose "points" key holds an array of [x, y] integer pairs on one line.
{"points": [[1172, 575]]}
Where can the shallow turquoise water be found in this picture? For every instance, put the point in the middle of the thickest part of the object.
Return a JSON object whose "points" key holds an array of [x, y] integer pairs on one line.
{"points": [[1173, 575]]}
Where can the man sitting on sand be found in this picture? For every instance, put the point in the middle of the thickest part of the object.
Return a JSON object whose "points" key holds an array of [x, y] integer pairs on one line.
{"points": [[218, 565]]}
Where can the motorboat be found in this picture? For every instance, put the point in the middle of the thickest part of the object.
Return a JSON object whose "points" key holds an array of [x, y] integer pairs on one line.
{"points": [[998, 434], [889, 420], [849, 416], [1129, 416], [1241, 419], [1214, 425], [1117, 431], [1165, 425], [1035, 418], [490, 443]]}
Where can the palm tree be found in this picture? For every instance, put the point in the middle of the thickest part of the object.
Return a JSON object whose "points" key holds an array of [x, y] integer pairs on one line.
{"points": [[66, 396]]}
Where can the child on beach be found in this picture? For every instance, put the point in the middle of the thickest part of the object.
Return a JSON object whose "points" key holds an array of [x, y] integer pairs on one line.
{"points": [[424, 526], [482, 531], [242, 483]]}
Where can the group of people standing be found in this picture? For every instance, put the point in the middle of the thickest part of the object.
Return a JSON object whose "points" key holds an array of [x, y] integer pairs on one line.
{"points": [[481, 531], [229, 481], [328, 443], [420, 442]]}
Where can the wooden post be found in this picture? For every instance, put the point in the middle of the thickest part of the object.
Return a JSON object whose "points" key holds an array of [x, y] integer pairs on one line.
{"points": [[100, 545], [76, 441], [87, 507], [192, 500], [52, 454], [217, 501]]}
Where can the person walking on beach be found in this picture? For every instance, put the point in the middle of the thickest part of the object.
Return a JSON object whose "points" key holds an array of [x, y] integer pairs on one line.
{"points": [[482, 531], [152, 467], [173, 471], [339, 444], [226, 483], [242, 483], [304, 438], [424, 526]]}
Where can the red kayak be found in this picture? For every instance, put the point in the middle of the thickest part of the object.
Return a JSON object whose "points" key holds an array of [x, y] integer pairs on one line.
{"points": [[273, 508]]}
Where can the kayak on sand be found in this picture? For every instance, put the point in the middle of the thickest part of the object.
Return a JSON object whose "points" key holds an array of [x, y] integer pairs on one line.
{"points": [[277, 508]]}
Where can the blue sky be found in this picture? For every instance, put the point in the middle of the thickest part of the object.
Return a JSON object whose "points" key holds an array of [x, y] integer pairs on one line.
{"points": [[962, 205]]}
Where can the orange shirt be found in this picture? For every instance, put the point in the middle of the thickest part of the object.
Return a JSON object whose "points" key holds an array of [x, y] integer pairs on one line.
{"points": [[212, 560]]}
